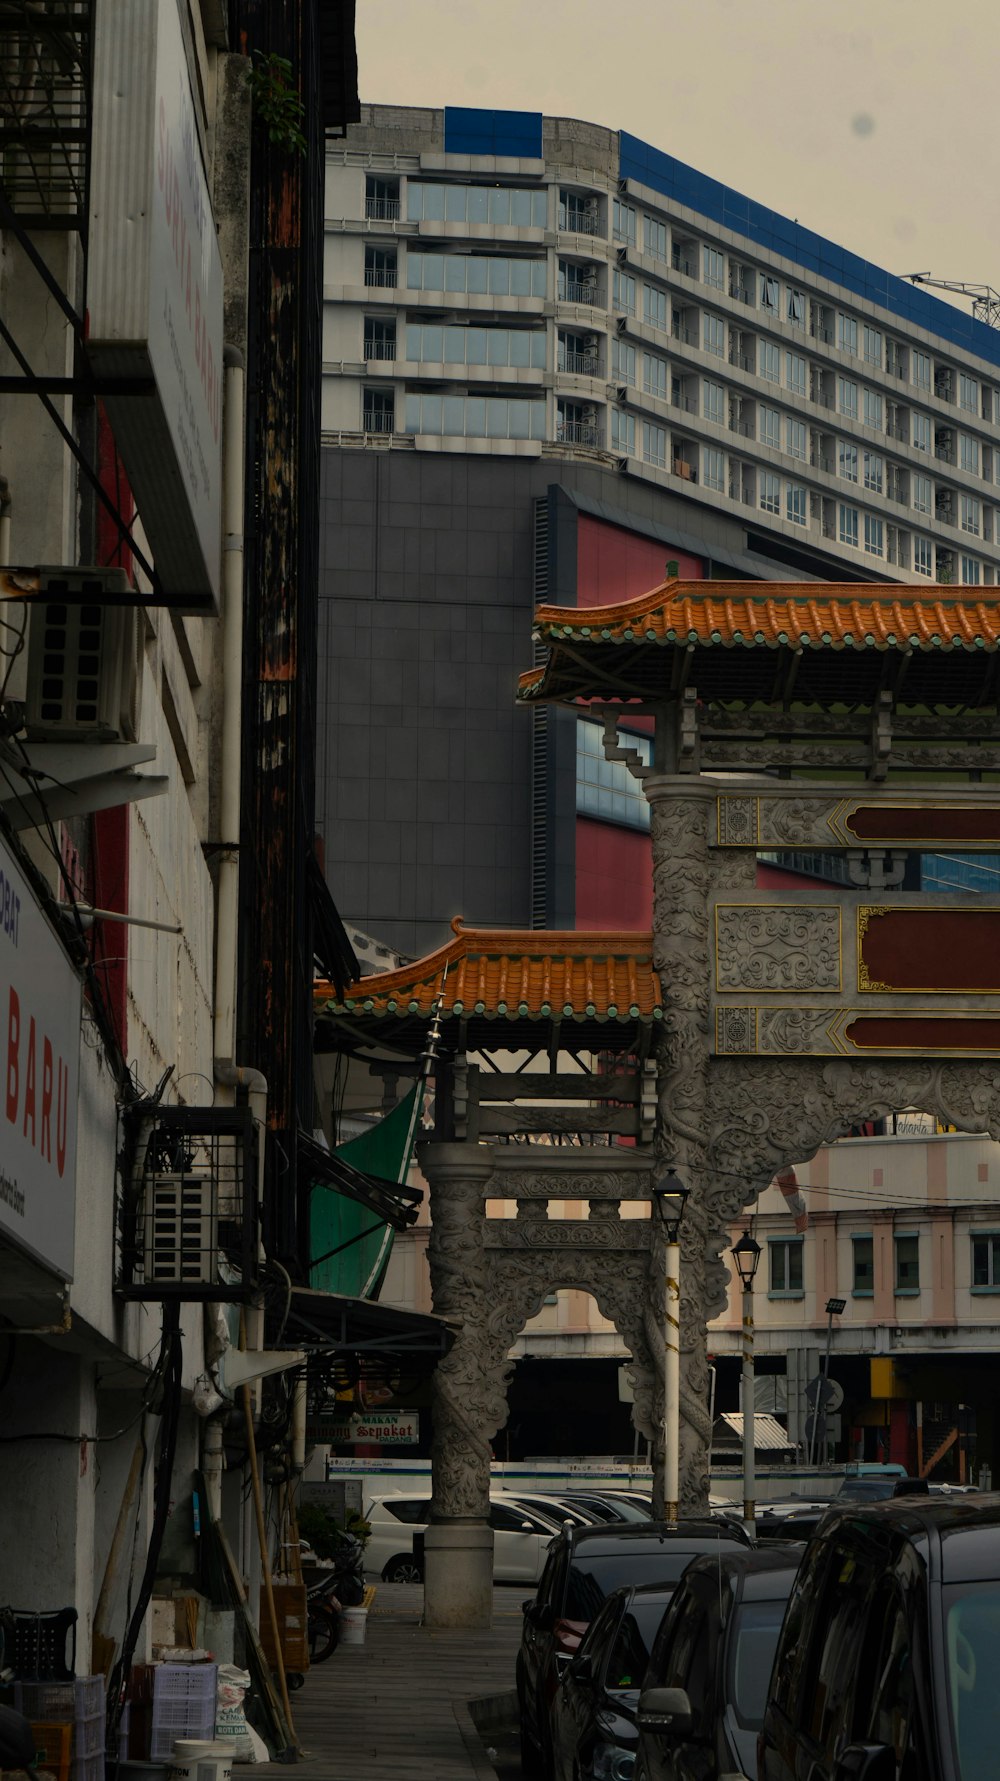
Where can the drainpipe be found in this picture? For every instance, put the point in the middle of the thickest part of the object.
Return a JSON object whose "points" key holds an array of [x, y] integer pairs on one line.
{"points": [[227, 894], [5, 509]]}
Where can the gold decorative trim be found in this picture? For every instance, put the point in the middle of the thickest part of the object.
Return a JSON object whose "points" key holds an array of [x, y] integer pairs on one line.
{"points": [[869, 985]]}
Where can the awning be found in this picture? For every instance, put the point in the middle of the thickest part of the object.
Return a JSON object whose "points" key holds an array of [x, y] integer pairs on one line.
{"points": [[768, 1434], [397, 1205], [326, 1320]]}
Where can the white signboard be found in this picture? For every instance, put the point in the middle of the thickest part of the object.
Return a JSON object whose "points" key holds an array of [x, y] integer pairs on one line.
{"points": [[154, 293], [40, 1053], [394, 1428]]}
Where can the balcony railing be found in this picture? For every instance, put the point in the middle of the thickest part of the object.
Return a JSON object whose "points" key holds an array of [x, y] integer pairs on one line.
{"points": [[584, 364], [680, 263], [741, 293], [382, 210], [576, 433], [380, 349], [572, 292], [688, 403], [688, 335], [374, 420], [383, 276], [580, 222]]}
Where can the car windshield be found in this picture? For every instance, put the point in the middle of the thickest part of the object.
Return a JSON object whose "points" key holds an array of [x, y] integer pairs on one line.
{"points": [[972, 1639], [629, 1656], [591, 1579], [755, 1638], [867, 1490]]}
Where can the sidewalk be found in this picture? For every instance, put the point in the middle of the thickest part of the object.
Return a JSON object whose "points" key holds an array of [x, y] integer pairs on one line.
{"points": [[395, 1709]]}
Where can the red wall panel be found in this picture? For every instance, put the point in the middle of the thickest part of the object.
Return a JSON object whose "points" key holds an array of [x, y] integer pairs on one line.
{"points": [[614, 877], [613, 564]]}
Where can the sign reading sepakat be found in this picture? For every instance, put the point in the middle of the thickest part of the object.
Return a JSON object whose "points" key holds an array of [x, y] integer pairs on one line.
{"points": [[394, 1428], [40, 1061]]}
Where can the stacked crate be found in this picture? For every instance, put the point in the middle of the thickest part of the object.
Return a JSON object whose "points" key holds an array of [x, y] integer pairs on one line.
{"points": [[184, 1702], [79, 1706]]}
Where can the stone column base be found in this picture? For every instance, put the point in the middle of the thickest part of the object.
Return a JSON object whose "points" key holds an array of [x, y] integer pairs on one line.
{"points": [[458, 1574]]}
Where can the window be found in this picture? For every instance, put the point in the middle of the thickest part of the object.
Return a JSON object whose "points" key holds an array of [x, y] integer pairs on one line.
{"points": [[475, 417], [623, 432], [874, 535], [770, 293], [380, 266], [427, 201], [622, 361], [714, 401], [848, 460], [795, 372], [863, 1286], [606, 788], [923, 492], [770, 362], [380, 338], [847, 334], [381, 198], [848, 525], [770, 427], [986, 1262], [874, 471], [968, 392], [796, 307], [623, 292], [655, 237], [971, 574], [795, 503], [795, 438], [923, 556], [873, 408], [968, 453], [921, 362], [486, 274], [847, 396], [379, 411], [770, 492], [623, 222], [654, 375], [654, 307], [433, 343], [654, 444], [715, 334], [713, 468], [872, 343], [970, 514], [921, 432], [907, 1262], [785, 1259], [577, 214], [714, 267]]}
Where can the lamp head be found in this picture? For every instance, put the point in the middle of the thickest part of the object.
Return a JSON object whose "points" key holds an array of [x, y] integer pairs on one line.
{"points": [[834, 1307], [746, 1255], [670, 1197]]}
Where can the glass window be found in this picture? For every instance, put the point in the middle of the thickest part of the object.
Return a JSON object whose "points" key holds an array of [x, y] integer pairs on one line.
{"points": [[864, 1266], [872, 345], [453, 416], [874, 534], [921, 362], [380, 338], [431, 201], [770, 492], [847, 333], [923, 492], [796, 307], [715, 334], [795, 503], [970, 514], [923, 556], [654, 444], [622, 361], [921, 432], [907, 1263], [785, 1261], [713, 468], [847, 396], [770, 362], [968, 453], [623, 222], [714, 399], [968, 392], [971, 572], [795, 438], [623, 432], [986, 1259], [848, 459], [654, 375], [874, 467], [770, 427], [655, 235], [654, 306], [795, 370], [714, 267], [623, 292], [848, 525], [606, 788], [769, 292], [873, 408], [753, 1645]]}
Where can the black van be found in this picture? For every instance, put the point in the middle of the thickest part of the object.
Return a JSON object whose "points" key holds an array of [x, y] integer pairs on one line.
{"points": [[888, 1662]]}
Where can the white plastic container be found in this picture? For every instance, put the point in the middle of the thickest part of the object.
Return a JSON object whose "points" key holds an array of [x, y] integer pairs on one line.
{"points": [[202, 1759], [353, 1625]]}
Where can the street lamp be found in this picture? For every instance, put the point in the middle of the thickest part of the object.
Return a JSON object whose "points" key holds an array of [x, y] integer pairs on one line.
{"points": [[817, 1446], [746, 1255], [670, 1198]]}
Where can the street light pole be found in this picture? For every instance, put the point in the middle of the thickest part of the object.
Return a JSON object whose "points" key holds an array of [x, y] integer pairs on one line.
{"points": [[670, 1197], [746, 1255], [834, 1308]]}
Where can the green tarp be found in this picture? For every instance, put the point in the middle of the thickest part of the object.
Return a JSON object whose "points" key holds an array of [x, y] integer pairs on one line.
{"points": [[334, 1219]]}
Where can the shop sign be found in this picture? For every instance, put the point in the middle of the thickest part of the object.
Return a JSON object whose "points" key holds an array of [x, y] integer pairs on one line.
{"points": [[154, 293], [393, 1428], [40, 1040]]}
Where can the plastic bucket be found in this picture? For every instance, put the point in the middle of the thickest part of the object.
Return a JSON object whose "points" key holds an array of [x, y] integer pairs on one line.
{"points": [[353, 1622], [197, 1759]]}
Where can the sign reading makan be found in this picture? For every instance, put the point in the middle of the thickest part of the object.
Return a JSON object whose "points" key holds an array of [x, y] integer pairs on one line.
{"points": [[154, 292], [393, 1428]]}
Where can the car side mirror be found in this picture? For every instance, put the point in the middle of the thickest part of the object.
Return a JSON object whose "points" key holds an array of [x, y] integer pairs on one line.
{"points": [[527, 1528], [539, 1615], [581, 1668], [665, 1712], [866, 1762]]}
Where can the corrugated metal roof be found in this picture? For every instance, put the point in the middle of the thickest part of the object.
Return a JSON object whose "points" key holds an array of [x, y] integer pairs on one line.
{"points": [[767, 1430]]}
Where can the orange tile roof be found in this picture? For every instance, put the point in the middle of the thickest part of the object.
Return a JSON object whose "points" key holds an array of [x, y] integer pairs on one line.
{"points": [[515, 974]]}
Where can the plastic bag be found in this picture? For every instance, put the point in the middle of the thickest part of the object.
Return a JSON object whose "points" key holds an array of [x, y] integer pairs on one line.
{"points": [[230, 1719]]}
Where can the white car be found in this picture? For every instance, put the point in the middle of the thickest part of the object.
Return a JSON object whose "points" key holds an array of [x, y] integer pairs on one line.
{"points": [[521, 1538]]}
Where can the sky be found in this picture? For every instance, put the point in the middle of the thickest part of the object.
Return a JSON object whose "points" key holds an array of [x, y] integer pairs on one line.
{"points": [[873, 122]]}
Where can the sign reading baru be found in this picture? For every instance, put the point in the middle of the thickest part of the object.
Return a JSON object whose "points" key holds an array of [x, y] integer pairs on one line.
{"points": [[40, 1053], [154, 292]]}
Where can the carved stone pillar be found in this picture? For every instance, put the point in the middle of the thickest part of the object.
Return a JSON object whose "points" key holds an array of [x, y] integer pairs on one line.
{"points": [[458, 1544]]}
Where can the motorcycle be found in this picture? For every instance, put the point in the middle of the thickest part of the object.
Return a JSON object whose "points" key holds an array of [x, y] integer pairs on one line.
{"points": [[337, 1584]]}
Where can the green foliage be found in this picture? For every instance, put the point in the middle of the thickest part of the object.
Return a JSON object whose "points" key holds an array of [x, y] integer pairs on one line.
{"points": [[324, 1532], [276, 101]]}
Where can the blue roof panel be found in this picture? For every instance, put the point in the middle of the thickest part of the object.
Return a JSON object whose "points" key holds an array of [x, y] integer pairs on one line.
{"points": [[468, 130]]}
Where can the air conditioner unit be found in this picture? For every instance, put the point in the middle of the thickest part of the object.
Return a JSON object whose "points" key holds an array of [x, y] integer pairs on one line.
{"points": [[187, 1209], [180, 1230], [83, 672]]}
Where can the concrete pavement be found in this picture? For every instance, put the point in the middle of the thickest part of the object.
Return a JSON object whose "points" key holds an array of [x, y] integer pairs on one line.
{"points": [[396, 1708]]}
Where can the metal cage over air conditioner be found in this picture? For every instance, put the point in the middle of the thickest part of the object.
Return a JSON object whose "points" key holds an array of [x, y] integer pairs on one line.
{"points": [[188, 1226]]}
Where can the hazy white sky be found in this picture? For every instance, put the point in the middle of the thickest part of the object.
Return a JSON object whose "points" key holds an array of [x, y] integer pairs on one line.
{"points": [[871, 121]]}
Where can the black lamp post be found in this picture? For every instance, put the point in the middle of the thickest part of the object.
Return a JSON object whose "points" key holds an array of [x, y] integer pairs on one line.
{"points": [[670, 1197], [746, 1255]]}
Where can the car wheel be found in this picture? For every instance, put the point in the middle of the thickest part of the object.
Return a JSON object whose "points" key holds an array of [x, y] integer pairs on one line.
{"points": [[531, 1762], [404, 1568]]}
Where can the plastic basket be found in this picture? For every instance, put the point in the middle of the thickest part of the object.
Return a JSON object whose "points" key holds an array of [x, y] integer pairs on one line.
{"points": [[88, 1736], [88, 1768], [90, 1696], [52, 1744], [184, 1697], [82, 1698], [43, 1645]]}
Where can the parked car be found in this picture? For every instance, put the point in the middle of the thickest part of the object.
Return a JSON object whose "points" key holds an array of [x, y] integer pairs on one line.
{"points": [[521, 1537], [583, 1566], [556, 1508], [609, 1506], [593, 1722], [705, 1687], [886, 1663]]}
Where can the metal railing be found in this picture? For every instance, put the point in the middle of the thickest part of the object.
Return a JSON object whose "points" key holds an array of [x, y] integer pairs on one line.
{"points": [[382, 210], [585, 364], [578, 293], [580, 222], [681, 263], [374, 420], [379, 349], [688, 335], [381, 276], [576, 433]]}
